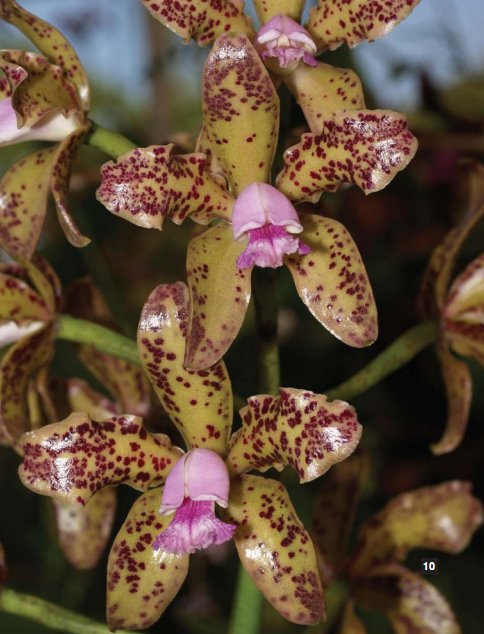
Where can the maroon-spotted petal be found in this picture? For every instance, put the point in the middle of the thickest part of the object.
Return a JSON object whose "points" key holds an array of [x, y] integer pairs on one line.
{"points": [[219, 295], [20, 303], [267, 9], [51, 43], [296, 428], [334, 22], [275, 548], [199, 402], [458, 388], [411, 603], [364, 147], [141, 581], [442, 517], [240, 111], [333, 283], [147, 185], [83, 531], [202, 20], [78, 456]]}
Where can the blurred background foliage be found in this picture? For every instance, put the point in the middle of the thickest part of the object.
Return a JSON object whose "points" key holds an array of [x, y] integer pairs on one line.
{"points": [[145, 85]]}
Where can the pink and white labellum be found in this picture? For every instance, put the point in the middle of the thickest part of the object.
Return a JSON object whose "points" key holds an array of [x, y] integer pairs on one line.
{"points": [[197, 481], [270, 221], [54, 126], [287, 41]]}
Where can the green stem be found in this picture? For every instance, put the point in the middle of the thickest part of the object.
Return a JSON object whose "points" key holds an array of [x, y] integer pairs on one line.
{"points": [[105, 340], [49, 614], [109, 142], [398, 353]]}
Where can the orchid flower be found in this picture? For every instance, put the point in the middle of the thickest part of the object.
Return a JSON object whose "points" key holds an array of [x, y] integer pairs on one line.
{"points": [[442, 517], [241, 117], [460, 309], [73, 459], [42, 97]]}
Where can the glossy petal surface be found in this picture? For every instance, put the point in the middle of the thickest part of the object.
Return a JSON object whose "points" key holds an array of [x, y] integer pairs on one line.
{"points": [[442, 517], [334, 22], [219, 295], [74, 458], [296, 428], [240, 111], [202, 20], [333, 283], [323, 90], [334, 510], [275, 548], [20, 303], [17, 366], [266, 9], [458, 388], [51, 43], [198, 402], [411, 603], [24, 189], [84, 530], [365, 147], [141, 581], [147, 185]]}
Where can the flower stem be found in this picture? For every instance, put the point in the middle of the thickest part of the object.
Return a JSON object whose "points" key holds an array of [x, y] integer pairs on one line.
{"points": [[109, 142], [49, 614], [105, 340], [398, 353]]}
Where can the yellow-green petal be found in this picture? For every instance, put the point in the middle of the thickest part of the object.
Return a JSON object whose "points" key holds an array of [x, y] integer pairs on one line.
{"points": [[219, 295], [84, 531], [20, 303], [332, 282], [267, 9], [296, 428], [240, 111], [350, 623], [141, 582], [199, 402], [78, 456], [275, 548]]}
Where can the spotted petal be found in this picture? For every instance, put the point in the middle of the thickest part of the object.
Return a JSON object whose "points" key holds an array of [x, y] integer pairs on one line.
{"points": [[76, 457], [322, 90], [334, 22], [296, 428], [24, 189], [275, 548], [198, 401], [240, 111], [202, 20], [141, 581], [364, 147], [84, 530], [411, 603], [20, 303], [219, 295], [333, 283], [458, 388], [51, 43], [146, 185], [442, 517], [267, 9]]}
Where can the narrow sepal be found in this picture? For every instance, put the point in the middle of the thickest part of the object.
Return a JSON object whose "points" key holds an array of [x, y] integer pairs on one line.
{"points": [[267, 9], [147, 185], [442, 517], [411, 603], [333, 283], [350, 623], [199, 402], [296, 428], [84, 531], [202, 20], [322, 90], [20, 303], [141, 581], [76, 457], [240, 111], [364, 147], [335, 22], [219, 295], [275, 548]]}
